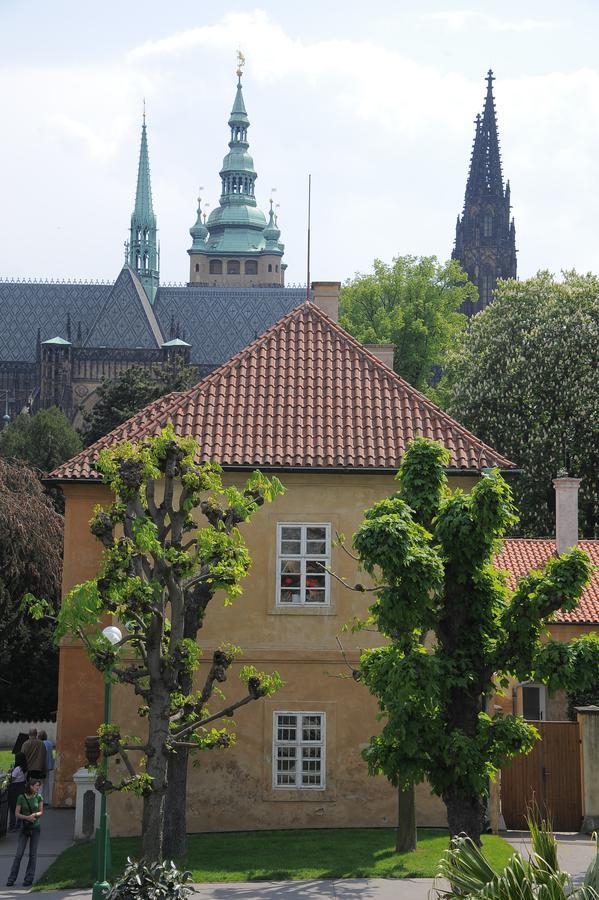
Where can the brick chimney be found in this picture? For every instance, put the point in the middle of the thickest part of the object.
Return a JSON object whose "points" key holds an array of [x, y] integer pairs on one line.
{"points": [[326, 297], [566, 512], [384, 352]]}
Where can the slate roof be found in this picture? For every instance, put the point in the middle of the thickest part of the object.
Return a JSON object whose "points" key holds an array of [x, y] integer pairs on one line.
{"points": [[26, 306], [219, 322], [303, 395], [126, 318], [520, 555]]}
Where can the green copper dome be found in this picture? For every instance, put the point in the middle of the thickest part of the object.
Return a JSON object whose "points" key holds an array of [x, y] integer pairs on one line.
{"points": [[199, 232]]}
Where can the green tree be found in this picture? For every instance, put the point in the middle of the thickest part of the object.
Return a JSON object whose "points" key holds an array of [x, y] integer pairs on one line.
{"points": [[524, 379], [120, 398], [30, 560], [455, 632], [158, 573], [413, 303], [43, 441]]}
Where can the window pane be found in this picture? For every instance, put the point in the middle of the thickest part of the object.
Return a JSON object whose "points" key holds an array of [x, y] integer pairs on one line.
{"points": [[315, 596], [291, 595], [286, 765], [311, 767], [287, 730], [318, 533], [290, 573], [311, 728], [291, 533], [315, 581], [291, 548]]}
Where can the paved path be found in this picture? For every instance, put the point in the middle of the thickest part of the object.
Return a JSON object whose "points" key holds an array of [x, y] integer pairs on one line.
{"points": [[574, 851], [57, 835]]}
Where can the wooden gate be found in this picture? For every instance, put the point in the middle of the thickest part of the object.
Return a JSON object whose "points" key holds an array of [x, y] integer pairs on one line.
{"points": [[549, 775]]}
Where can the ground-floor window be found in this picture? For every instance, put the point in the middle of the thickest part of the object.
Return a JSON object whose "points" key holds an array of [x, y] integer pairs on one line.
{"points": [[299, 750], [533, 702]]}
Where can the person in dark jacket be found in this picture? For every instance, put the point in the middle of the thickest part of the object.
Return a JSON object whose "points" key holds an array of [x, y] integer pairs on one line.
{"points": [[18, 777]]}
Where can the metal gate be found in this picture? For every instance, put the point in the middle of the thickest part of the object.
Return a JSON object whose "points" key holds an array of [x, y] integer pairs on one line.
{"points": [[548, 776]]}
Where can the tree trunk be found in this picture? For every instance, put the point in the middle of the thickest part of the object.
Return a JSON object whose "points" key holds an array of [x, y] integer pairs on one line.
{"points": [[465, 814], [156, 767], [406, 821], [175, 820]]}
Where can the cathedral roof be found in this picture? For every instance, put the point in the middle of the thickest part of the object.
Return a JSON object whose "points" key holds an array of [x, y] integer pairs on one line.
{"points": [[304, 395], [49, 308]]}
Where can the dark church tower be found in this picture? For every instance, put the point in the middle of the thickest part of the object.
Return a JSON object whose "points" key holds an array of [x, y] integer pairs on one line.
{"points": [[485, 239]]}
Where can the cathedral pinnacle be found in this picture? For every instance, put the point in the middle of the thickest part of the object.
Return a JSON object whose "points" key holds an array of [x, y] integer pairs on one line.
{"points": [[143, 249]]}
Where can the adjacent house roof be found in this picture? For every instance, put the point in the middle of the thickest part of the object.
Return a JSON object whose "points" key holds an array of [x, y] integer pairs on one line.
{"points": [[303, 395], [520, 555]]}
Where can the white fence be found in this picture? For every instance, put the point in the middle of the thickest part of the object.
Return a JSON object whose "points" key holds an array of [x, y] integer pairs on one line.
{"points": [[10, 730]]}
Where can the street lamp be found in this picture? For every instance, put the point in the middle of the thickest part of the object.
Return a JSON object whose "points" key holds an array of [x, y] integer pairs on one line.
{"points": [[101, 885]]}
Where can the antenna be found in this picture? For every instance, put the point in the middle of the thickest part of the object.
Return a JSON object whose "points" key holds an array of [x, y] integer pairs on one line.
{"points": [[308, 254]]}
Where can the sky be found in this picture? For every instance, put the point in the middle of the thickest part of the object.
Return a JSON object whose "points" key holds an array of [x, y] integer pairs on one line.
{"points": [[376, 101]]}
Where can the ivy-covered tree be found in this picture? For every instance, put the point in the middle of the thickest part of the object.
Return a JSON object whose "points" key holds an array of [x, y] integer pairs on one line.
{"points": [[524, 379], [159, 572], [120, 398], [43, 441], [30, 560], [413, 303], [455, 631]]}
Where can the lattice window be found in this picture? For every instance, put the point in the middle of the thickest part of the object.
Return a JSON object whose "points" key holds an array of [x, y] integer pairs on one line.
{"points": [[299, 750], [303, 552]]}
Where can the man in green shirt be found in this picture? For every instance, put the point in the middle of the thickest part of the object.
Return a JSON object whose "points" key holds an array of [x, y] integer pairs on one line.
{"points": [[29, 810]]}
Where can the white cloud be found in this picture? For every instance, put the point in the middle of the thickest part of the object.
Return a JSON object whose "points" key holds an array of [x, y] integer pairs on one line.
{"points": [[460, 19]]}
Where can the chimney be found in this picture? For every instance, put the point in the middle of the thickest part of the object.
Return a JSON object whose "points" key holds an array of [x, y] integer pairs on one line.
{"points": [[566, 513], [326, 297], [383, 352]]}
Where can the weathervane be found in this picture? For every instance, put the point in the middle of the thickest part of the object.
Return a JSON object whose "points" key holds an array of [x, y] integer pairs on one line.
{"points": [[240, 64]]}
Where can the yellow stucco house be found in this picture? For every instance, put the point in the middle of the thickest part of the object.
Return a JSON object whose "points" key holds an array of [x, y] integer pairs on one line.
{"points": [[309, 403]]}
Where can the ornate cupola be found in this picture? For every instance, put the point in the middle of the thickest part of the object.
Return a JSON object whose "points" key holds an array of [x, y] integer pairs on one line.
{"points": [[143, 251], [232, 247], [485, 242]]}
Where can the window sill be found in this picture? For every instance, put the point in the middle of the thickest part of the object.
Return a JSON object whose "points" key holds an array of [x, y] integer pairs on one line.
{"points": [[302, 610], [275, 795]]}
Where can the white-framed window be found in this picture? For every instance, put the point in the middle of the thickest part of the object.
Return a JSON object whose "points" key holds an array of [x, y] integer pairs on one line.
{"points": [[302, 551], [299, 751], [533, 702]]}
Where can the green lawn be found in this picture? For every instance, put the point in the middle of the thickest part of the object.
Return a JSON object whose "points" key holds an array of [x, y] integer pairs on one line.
{"points": [[280, 855], [6, 760]]}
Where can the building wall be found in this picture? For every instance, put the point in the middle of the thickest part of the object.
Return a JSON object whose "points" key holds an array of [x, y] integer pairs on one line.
{"points": [[199, 271], [299, 642]]}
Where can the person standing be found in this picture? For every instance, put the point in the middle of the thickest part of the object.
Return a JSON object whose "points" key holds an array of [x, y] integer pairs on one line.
{"points": [[18, 777], [35, 752], [48, 782], [30, 808]]}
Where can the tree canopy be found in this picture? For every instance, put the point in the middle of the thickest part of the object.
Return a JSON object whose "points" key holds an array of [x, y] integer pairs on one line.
{"points": [[43, 441], [524, 379], [456, 632], [30, 560], [120, 398], [414, 304]]}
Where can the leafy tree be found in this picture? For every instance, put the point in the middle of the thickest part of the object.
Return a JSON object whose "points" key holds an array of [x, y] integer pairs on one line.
{"points": [[525, 381], [574, 667], [30, 560], [43, 441], [120, 398], [159, 572], [413, 303], [455, 632]]}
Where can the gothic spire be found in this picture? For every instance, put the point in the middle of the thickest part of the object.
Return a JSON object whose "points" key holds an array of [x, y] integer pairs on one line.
{"points": [[485, 166], [143, 251]]}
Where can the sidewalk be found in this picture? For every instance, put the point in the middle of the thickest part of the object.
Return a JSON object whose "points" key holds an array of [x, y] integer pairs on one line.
{"points": [[575, 852], [57, 834]]}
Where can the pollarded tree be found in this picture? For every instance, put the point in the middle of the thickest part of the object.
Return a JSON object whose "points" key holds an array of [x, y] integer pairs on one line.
{"points": [[455, 631], [413, 303], [159, 572], [524, 379]]}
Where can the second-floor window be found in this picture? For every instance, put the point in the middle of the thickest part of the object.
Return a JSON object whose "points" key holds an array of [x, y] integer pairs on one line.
{"points": [[302, 551]]}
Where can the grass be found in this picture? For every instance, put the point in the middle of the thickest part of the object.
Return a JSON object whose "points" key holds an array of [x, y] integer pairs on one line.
{"points": [[281, 855], [6, 760]]}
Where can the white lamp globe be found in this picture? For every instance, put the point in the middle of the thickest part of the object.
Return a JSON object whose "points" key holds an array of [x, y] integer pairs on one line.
{"points": [[112, 634]]}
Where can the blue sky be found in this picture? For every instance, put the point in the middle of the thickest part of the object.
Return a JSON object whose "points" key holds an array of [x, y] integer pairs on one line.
{"points": [[377, 102]]}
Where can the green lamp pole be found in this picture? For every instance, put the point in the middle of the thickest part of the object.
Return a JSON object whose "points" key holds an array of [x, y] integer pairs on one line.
{"points": [[101, 885]]}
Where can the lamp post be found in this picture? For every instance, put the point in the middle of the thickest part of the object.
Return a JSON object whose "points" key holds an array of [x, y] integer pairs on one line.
{"points": [[101, 885]]}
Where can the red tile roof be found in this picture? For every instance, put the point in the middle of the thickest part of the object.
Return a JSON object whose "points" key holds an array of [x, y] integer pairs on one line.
{"points": [[520, 555], [305, 394]]}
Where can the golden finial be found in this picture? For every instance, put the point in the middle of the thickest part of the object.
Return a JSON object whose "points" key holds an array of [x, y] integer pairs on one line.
{"points": [[240, 64]]}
